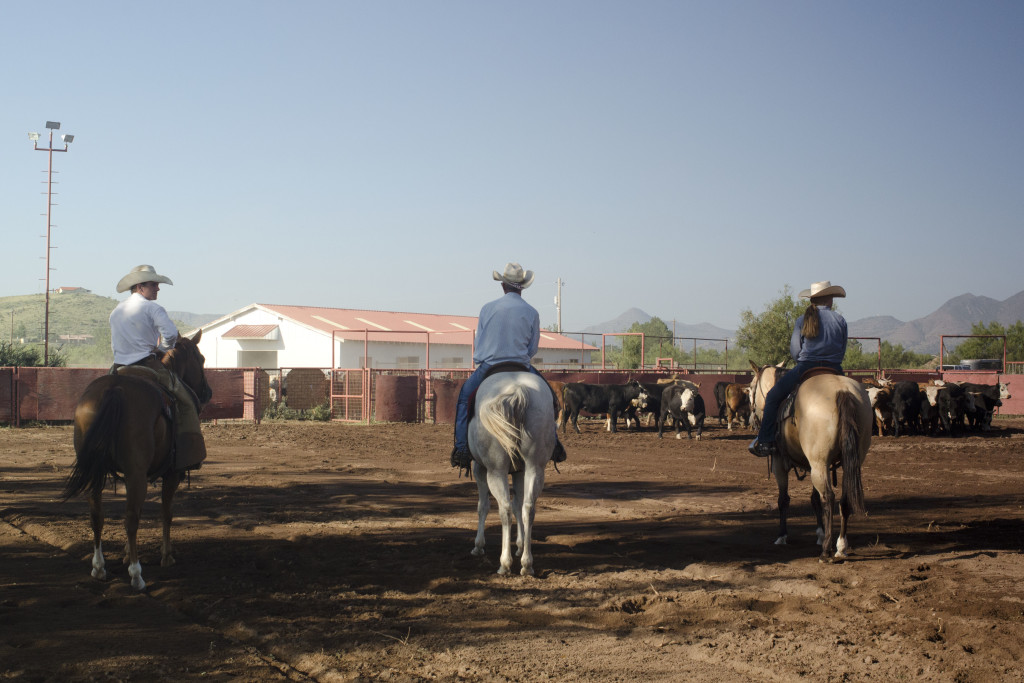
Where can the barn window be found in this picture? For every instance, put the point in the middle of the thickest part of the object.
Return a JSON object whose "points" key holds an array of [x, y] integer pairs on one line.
{"points": [[407, 362], [453, 362]]}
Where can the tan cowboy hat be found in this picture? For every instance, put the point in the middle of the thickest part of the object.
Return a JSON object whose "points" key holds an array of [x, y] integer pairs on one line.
{"points": [[824, 288], [515, 276], [139, 275]]}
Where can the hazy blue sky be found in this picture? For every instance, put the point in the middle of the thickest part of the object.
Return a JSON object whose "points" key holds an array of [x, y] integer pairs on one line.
{"points": [[688, 158]]}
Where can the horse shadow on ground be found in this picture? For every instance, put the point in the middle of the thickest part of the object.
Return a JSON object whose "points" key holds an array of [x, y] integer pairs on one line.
{"points": [[404, 536]]}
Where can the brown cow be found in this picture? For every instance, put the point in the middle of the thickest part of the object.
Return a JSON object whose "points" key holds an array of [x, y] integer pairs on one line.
{"points": [[737, 405], [881, 405], [559, 389]]}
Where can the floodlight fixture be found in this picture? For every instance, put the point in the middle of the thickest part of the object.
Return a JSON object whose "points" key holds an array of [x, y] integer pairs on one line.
{"points": [[34, 137], [53, 125], [67, 138]]}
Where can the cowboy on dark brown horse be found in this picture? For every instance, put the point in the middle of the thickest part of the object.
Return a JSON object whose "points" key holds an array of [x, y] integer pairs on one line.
{"points": [[140, 333]]}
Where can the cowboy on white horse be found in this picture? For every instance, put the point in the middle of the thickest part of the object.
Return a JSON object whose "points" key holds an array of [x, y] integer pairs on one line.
{"points": [[508, 332], [818, 341]]}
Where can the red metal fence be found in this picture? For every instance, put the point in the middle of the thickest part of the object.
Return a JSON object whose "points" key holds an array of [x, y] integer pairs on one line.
{"points": [[50, 394]]}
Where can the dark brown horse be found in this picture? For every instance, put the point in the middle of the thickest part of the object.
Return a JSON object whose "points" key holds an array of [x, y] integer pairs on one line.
{"points": [[123, 427]]}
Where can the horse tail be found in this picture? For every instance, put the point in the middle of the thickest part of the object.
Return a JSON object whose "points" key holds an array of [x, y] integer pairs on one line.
{"points": [[95, 457], [504, 417], [849, 440]]}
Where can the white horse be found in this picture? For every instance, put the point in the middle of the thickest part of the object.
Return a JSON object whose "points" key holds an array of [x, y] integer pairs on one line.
{"points": [[830, 427], [512, 432]]}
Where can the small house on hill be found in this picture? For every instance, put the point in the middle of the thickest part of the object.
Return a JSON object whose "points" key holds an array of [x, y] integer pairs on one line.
{"points": [[71, 290], [272, 336]]}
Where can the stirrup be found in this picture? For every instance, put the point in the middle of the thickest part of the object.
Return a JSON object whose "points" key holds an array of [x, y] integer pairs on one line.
{"points": [[761, 450]]}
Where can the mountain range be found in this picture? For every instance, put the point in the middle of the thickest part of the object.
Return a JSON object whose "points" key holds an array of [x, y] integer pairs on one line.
{"points": [[86, 314], [956, 316]]}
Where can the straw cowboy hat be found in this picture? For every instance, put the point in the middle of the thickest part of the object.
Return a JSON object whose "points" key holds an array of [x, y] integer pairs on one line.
{"points": [[139, 275], [824, 288], [515, 276]]}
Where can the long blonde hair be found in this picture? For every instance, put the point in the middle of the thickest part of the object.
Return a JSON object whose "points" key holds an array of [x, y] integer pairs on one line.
{"points": [[812, 322]]}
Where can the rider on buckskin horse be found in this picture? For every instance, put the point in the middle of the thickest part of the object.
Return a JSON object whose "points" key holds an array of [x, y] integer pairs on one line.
{"points": [[140, 333], [818, 341], [508, 331]]}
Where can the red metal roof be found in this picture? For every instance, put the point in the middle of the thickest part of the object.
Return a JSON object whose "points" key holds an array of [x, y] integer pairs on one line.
{"points": [[391, 326], [249, 332]]}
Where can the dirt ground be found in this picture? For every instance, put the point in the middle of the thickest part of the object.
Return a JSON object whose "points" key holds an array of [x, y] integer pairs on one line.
{"points": [[330, 552]]}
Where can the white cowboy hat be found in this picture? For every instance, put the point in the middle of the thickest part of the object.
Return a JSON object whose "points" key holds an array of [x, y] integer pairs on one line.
{"points": [[139, 275], [515, 276], [824, 288]]}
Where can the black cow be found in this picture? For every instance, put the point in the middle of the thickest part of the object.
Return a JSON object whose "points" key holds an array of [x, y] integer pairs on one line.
{"points": [[993, 391], [655, 394], [720, 388], [906, 407], [600, 398], [686, 406], [980, 409]]}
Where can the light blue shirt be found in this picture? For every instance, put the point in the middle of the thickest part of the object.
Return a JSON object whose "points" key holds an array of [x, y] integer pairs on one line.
{"points": [[829, 346], [508, 331], [138, 327]]}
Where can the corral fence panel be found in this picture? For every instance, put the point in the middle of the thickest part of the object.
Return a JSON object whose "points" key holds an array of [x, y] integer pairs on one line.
{"points": [[50, 394]]}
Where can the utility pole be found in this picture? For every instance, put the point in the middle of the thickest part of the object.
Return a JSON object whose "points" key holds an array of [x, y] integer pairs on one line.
{"points": [[34, 137], [558, 304]]}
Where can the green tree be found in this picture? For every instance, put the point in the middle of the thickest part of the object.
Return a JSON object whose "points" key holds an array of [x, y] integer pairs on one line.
{"points": [[990, 347], [893, 356], [765, 336], [25, 356], [657, 343]]}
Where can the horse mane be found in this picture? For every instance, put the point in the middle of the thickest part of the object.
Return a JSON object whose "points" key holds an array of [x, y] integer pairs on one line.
{"points": [[175, 359]]}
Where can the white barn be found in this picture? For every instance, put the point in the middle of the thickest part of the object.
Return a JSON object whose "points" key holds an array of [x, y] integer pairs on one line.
{"points": [[271, 336]]}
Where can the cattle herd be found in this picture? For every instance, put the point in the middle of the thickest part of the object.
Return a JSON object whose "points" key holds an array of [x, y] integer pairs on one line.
{"points": [[677, 399], [900, 408], [934, 408]]}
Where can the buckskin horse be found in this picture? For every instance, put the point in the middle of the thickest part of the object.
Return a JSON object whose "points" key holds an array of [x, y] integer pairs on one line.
{"points": [[512, 432], [829, 426], [123, 427]]}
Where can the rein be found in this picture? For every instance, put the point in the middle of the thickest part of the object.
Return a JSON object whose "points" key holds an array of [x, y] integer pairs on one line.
{"points": [[757, 387]]}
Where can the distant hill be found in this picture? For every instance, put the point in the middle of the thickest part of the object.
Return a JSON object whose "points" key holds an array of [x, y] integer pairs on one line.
{"points": [[634, 315], [956, 316], [79, 323], [921, 335]]}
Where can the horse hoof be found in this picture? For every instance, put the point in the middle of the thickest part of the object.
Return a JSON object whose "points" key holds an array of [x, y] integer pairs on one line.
{"points": [[99, 573], [502, 571], [781, 540], [168, 561], [476, 552], [526, 571]]}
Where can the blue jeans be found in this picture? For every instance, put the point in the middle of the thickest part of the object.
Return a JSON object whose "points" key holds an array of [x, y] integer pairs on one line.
{"points": [[769, 431], [462, 405]]}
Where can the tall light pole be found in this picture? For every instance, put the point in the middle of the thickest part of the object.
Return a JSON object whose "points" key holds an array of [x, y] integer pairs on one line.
{"points": [[34, 137], [558, 303]]}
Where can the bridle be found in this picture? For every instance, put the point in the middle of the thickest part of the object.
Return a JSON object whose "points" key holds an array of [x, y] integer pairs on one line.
{"points": [[754, 393]]}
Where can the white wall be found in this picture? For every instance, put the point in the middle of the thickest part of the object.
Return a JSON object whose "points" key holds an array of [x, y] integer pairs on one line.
{"points": [[301, 347]]}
